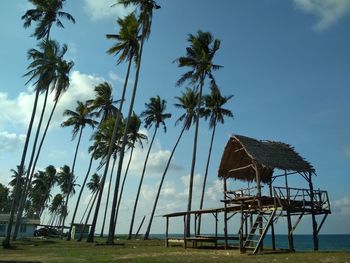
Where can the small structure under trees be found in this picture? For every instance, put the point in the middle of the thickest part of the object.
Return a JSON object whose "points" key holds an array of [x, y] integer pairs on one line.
{"points": [[254, 161]]}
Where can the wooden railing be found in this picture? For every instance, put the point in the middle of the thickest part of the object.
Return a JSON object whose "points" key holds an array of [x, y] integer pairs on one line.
{"points": [[290, 196]]}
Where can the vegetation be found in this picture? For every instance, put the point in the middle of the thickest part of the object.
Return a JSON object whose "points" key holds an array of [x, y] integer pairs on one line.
{"points": [[113, 131], [147, 251]]}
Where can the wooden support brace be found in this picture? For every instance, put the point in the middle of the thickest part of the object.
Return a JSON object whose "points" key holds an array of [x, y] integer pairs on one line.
{"points": [[320, 226]]}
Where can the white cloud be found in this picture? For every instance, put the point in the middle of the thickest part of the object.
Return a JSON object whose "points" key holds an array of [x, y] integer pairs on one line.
{"points": [[10, 141], [99, 10], [17, 111], [347, 151], [156, 162], [328, 12], [342, 205]]}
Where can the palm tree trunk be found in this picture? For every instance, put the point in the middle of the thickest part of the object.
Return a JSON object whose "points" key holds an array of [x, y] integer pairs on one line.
{"points": [[6, 242], [88, 216], [70, 183], [108, 192], [122, 151], [161, 184], [190, 188], [122, 187], [140, 184], [87, 208], [28, 180], [110, 150], [80, 193], [205, 178], [31, 170]]}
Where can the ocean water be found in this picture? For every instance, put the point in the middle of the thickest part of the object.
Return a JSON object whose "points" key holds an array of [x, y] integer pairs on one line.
{"points": [[301, 242]]}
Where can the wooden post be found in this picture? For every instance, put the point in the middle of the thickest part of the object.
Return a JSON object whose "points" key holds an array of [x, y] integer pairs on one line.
{"points": [[241, 249], [289, 221], [167, 232], [185, 243], [314, 223], [258, 186], [216, 228], [273, 240], [225, 214]]}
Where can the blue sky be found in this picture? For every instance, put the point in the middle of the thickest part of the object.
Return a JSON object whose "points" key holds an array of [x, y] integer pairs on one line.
{"points": [[287, 63]]}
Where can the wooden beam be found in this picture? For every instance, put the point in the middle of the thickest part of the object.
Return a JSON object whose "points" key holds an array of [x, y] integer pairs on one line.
{"points": [[321, 224], [240, 168]]}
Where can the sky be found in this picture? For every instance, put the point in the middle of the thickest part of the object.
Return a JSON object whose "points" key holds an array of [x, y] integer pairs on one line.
{"points": [[287, 63]]}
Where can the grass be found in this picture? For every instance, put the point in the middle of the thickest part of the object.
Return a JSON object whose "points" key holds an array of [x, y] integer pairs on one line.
{"points": [[54, 250]]}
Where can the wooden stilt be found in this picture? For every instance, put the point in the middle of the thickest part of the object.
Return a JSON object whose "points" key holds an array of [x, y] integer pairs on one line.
{"points": [[289, 221], [258, 186], [241, 249], [273, 240], [225, 214], [314, 222], [185, 243], [167, 232]]}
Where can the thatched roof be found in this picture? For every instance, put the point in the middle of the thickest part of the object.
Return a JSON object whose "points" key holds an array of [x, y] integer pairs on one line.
{"points": [[240, 152]]}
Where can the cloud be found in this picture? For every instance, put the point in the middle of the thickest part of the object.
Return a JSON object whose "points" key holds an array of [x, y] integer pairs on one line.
{"points": [[10, 142], [328, 12], [99, 10], [17, 111], [156, 163], [347, 151], [342, 205]]}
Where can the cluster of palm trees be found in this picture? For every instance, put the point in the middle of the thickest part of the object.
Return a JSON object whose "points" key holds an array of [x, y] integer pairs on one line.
{"points": [[113, 133]]}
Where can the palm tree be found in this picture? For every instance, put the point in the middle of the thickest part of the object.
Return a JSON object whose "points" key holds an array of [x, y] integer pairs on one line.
{"points": [[78, 119], [187, 102], [106, 133], [56, 208], [46, 13], [199, 58], [216, 113], [50, 69], [103, 104], [128, 47], [134, 136], [94, 186], [154, 114], [66, 180], [17, 183]]}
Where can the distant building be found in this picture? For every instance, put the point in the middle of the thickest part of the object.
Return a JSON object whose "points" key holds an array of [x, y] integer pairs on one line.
{"points": [[27, 227]]}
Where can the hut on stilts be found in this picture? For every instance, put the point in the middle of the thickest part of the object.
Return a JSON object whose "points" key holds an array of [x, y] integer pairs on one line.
{"points": [[254, 161]]}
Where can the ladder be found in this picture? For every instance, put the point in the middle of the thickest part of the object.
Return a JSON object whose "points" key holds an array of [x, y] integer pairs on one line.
{"points": [[262, 222]]}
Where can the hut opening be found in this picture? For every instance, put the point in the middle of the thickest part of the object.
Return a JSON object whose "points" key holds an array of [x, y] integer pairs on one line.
{"points": [[255, 161]]}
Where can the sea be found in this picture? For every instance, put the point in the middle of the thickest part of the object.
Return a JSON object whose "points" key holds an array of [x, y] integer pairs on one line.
{"points": [[301, 242]]}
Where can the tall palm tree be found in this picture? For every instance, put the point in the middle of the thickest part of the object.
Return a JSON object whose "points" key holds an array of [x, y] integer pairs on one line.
{"points": [[55, 208], [199, 58], [127, 47], [134, 136], [79, 118], [216, 113], [107, 131], [66, 180], [187, 102], [145, 8], [154, 114], [45, 13], [94, 186], [50, 69]]}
